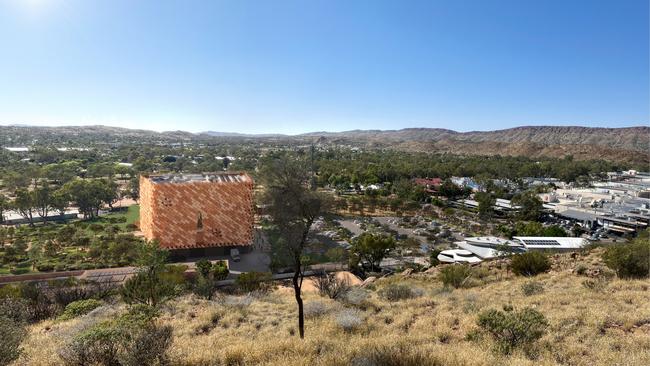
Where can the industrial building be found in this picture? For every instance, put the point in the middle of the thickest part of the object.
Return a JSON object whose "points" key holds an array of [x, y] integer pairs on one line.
{"points": [[197, 211]]}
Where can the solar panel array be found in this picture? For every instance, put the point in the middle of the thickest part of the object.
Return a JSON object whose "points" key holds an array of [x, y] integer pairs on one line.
{"points": [[534, 242]]}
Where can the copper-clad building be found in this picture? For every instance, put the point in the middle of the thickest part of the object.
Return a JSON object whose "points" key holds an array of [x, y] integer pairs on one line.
{"points": [[187, 211]]}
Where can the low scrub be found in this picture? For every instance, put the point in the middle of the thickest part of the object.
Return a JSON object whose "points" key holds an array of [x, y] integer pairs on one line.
{"points": [[13, 332], [456, 276], [78, 308], [629, 260], [397, 292], [511, 328], [253, 281], [530, 264], [348, 319], [331, 286], [532, 288], [132, 339]]}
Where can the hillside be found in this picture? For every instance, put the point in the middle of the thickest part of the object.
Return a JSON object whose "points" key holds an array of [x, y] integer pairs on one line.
{"points": [[593, 319], [615, 144]]}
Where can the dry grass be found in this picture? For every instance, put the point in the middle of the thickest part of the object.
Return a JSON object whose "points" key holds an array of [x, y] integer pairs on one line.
{"points": [[609, 325]]}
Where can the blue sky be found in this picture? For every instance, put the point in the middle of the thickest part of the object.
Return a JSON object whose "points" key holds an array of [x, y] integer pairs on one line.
{"points": [[306, 65]]}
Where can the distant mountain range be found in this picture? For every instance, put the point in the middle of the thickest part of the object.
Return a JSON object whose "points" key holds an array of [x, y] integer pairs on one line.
{"points": [[631, 144]]}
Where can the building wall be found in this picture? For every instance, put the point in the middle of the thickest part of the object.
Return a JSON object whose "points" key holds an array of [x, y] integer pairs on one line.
{"points": [[169, 212]]}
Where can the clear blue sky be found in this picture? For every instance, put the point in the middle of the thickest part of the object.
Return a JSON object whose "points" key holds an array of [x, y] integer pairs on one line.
{"points": [[306, 65]]}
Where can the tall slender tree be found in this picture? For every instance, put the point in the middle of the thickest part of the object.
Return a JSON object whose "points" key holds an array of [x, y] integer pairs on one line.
{"points": [[293, 207]]}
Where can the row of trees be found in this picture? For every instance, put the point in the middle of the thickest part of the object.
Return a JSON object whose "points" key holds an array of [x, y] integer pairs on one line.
{"points": [[88, 194]]}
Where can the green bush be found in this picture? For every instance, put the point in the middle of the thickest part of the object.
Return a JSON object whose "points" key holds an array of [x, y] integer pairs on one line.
{"points": [[131, 339], [397, 292], [13, 333], [45, 266], [252, 281], [629, 260], [512, 329], [19, 271], [530, 263], [78, 308], [456, 275], [433, 257], [220, 271]]}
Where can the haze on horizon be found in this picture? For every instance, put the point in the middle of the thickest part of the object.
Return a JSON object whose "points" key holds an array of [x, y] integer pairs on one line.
{"points": [[293, 67]]}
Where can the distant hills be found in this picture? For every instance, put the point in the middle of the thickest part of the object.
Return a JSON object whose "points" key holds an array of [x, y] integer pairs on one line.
{"points": [[631, 144]]}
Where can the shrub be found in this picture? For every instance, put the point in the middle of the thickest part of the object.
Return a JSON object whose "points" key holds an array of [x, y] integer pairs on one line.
{"points": [[78, 308], [204, 287], [433, 257], [532, 288], [512, 329], [332, 287], [144, 288], [147, 346], [131, 339], [97, 345], [397, 292], [581, 270], [238, 302], [314, 309], [348, 319], [396, 355], [455, 275], [356, 297], [19, 271], [252, 281], [220, 271], [530, 263], [14, 308], [629, 260], [13, 333]]}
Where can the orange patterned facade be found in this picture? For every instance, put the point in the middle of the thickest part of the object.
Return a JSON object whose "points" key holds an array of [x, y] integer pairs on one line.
{"points": [[197, 210]]}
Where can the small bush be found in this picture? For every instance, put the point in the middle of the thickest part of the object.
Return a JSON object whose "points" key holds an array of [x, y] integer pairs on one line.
{"points": [[356, 297], [131, 339], [348, 319], [314, 309], [455, 275], [13, 333], [397, 292], [512, 329], [396, 355], [532, 288], [530, 264], [581, 270], [433, 257], [629, 260], [252, 281], [238, 302], [147, 346], [78, 308], [332, 287], [19, 271]]}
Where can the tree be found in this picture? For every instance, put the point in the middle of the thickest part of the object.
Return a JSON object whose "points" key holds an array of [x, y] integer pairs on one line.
{"points": [[372, 248], [530, 206], [43, 200], [90, 194], [4, 205], [149, 286], [293, 207], [134, 188], [24, 204], [486, 203]]}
